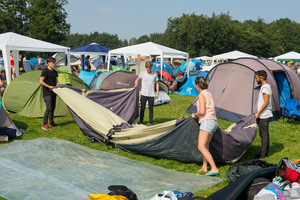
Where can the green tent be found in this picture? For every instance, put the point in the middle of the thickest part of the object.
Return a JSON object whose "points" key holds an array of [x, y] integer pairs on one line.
{"points": [[24, 95]]}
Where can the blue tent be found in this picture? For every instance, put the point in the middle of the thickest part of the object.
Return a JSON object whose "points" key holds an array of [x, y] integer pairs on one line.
{"points": [[35, 61], [97, 63], [189, 87], [165, 67], [92, 48], [183, 65], [86, 76]]}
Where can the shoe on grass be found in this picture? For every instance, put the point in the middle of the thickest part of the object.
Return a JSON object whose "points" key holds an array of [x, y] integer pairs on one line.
{"points": [[54, 125], [46, 127]]}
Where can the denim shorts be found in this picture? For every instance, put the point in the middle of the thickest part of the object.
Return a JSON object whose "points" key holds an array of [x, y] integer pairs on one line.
{"points": [[209, 125]]}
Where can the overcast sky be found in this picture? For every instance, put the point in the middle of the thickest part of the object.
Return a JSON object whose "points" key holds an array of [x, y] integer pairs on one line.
{"points": [[134, 18]]}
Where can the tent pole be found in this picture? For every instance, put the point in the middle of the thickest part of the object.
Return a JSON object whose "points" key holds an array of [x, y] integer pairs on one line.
{"points": [[187, 69], [161, 64], [68, 60], [139, 63], [6, 57], [16, 61], [108, 61]]}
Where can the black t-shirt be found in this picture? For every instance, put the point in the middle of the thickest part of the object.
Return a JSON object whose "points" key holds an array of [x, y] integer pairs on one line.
{"points": [[50, 79]]}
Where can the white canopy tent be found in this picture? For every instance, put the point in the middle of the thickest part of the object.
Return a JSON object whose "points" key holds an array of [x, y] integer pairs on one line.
{"points": [[232, 55], [158, 58], [15, 43], [290, 56], [146, 48]]}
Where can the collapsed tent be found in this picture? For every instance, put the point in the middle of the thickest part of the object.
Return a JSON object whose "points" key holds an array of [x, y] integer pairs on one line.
{"points": [[172, 140], [24, 95], [7, 126], [235, 90]]}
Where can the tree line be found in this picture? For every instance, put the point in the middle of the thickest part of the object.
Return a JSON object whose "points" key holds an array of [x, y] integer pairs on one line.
{"points": [[198, 35]]}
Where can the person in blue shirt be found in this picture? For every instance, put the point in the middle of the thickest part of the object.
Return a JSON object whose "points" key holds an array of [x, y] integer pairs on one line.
{"points": [[199, 65]]}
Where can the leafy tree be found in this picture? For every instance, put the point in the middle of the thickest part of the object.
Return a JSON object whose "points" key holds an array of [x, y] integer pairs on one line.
{"points": [[12, 15], [142, 39], [132, 41], [47, 20]]}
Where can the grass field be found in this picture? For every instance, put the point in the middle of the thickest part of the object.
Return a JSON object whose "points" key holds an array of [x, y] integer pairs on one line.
{"points": [[284, 138]]}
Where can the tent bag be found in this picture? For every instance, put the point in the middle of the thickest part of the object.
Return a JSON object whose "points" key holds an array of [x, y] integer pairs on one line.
{"points": [[123, 191], [241, 169], [10, 132]]}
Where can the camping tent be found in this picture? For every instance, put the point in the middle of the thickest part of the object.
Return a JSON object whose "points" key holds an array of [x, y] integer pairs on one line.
{"points": [[166, 69], [5, 121], [15, 43], [147, 48], [188, 88], [86, 76], [92, 49], [232, 55], [24, 95], [113, 80], [290, 56], [175, 139], [235, 90]]}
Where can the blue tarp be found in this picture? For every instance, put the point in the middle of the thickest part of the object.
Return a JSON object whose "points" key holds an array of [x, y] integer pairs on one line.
{"points": [[86, 76]]}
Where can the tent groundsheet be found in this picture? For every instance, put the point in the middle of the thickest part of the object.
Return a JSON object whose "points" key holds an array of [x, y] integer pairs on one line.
{"points": [[57, 169]]}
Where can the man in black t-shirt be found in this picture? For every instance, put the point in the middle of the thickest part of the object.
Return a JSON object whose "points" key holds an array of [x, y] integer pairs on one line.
{"points": [[48, 80]]}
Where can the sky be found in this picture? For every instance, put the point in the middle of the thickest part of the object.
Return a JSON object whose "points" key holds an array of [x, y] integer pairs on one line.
{"points": [[134, 18]]}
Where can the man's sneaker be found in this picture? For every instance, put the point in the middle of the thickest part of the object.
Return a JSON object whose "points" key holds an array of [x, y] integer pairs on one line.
{"points": [[46, 127], [54, 125]]}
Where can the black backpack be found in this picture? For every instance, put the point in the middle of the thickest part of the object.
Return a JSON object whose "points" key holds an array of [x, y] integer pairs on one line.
{"points": [[238, 170], [122, 190]]}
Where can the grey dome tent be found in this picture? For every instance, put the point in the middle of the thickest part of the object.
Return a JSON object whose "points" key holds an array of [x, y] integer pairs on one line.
{"points": [[235, 90]]}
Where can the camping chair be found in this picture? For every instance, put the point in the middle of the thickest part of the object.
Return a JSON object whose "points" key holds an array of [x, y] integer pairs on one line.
{"points": [[291, 111]]}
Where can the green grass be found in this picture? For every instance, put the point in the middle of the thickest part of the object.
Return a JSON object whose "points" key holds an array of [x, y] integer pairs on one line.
{"points": [[284, 138]]}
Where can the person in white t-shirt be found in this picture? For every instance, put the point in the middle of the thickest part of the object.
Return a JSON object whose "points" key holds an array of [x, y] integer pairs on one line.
{"points": [[149, 82], [264, 114]]}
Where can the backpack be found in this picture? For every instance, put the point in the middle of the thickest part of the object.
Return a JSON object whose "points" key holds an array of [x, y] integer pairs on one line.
{"points": [[288, 171], [238, 170], [123, 191]]}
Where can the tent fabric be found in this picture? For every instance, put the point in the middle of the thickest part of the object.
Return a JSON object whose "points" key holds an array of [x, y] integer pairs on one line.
{"points": [[116, 80], [235, 90], [233, 55], [147, 48], [101, 121], [92, 49], [290, 56], [167, 68], [14, 42], [226, 145], [5, 121], [182, 67], [46, 169], [86, 76], [189, 87], [24, 95]]}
